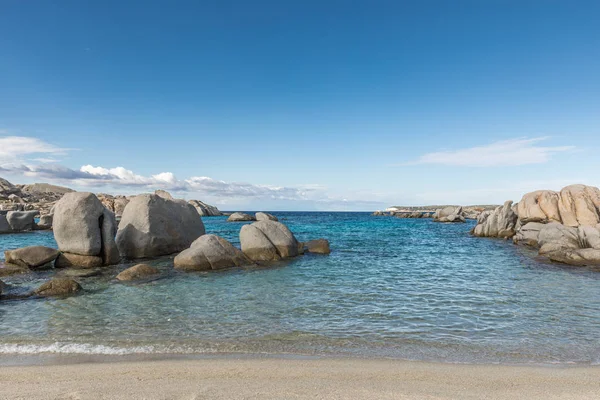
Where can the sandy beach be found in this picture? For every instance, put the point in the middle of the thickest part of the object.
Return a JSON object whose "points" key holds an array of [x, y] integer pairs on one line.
{"points": [[295, 379]]}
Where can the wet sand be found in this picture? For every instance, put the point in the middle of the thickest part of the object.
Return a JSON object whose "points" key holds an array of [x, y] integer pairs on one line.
{"points": [[295, 379]]}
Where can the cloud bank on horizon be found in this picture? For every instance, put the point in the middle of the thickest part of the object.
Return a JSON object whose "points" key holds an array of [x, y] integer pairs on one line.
{"points": [[34, 158], [15, 152]]}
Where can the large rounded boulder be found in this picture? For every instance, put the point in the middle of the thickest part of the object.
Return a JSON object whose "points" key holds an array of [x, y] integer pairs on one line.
{"points": [[268, 241], [153, 226], [210, 252], [83, 226]]}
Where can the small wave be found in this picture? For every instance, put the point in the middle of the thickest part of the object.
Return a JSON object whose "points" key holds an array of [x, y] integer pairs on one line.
{"points": [[78, 348]]}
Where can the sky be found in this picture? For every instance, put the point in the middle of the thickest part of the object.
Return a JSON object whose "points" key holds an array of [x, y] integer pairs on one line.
{"points": [[302, 105]]}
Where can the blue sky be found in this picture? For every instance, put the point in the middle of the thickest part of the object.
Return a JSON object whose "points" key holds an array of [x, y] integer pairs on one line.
{"points": [[337, 105]]}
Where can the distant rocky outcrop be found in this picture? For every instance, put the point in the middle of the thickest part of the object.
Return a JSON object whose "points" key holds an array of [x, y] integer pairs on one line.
{"points": [[152, 225], [210, 252], [449, 214], [268, 241], [36, 196], [263, 216], [205, 210], [240, 217], [85, 230]]}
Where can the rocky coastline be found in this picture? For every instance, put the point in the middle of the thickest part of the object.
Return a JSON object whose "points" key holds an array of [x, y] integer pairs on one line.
{"points": [[96, 231]]}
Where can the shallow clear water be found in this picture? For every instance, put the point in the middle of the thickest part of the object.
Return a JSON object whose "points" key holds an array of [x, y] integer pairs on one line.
{"points": [[392, 287]]}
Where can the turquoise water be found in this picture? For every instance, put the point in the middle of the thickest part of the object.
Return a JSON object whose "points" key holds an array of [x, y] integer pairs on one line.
{"points": [[399, 288]]}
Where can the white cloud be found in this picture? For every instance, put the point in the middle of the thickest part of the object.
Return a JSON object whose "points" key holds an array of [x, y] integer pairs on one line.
{"points": [[504, 153], [14, 148]]}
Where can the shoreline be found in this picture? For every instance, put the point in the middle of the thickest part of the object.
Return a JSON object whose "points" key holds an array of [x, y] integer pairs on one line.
{"points": [[279, 378], [49, 358]]}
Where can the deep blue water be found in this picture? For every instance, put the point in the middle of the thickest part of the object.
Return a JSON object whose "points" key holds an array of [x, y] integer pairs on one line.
{"points": [[391, 287]]}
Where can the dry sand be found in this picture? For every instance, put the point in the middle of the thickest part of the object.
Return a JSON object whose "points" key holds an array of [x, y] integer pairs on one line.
{"points": [[295, 379]]}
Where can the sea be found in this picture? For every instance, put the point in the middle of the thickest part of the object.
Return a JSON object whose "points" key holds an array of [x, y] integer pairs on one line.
{"points": [[396, 288]]}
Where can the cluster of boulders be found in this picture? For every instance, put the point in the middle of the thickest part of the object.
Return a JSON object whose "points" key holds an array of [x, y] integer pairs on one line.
{"points": [[259, 216], [26, 202], [151, 225], [37, 196], [564, 225], [438, 213], [449, 214]]}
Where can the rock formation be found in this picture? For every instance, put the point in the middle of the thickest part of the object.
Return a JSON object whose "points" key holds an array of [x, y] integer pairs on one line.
{"points": [[58, 287], [240, 217], [263, 216], [85, 229], [205, 210], [31, 257], [501, 222], [564, 225], [268, 241], [153, 226], [449, 214], [210, 252], [138, 272], [317, 246], [17, 221]]}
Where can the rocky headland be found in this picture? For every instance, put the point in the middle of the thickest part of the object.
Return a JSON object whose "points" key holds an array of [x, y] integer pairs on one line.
{"points": [[564, 226]]}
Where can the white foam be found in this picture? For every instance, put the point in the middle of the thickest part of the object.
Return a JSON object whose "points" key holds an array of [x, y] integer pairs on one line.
{"points": [[78, 348]]}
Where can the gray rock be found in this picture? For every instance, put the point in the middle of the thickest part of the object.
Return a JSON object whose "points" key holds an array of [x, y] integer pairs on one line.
{"points": [[4, 226], [318, 246], [80, 273], [110, 252], [138, 272], [20, 221], [528, 234], [268, 241], [210, 252], [45, 222], [77, 261], [205, 210], [77, 224], [263, 216], [164, 194], [153, 226], [240, 217], [31, 257], [500, 223], [58, 287]]}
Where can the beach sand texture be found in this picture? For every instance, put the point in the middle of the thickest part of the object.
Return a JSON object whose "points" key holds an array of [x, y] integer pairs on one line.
{"points": [[296, 379]]}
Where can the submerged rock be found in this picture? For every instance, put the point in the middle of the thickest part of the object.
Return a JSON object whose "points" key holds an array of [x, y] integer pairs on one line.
{"points": [[210, 252], [318, 246], [153, 226], [268, 241], [58, 287], [31, 257], [263, 216], [80, 273], [137, 272], [11, 269], [240, 217]]}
